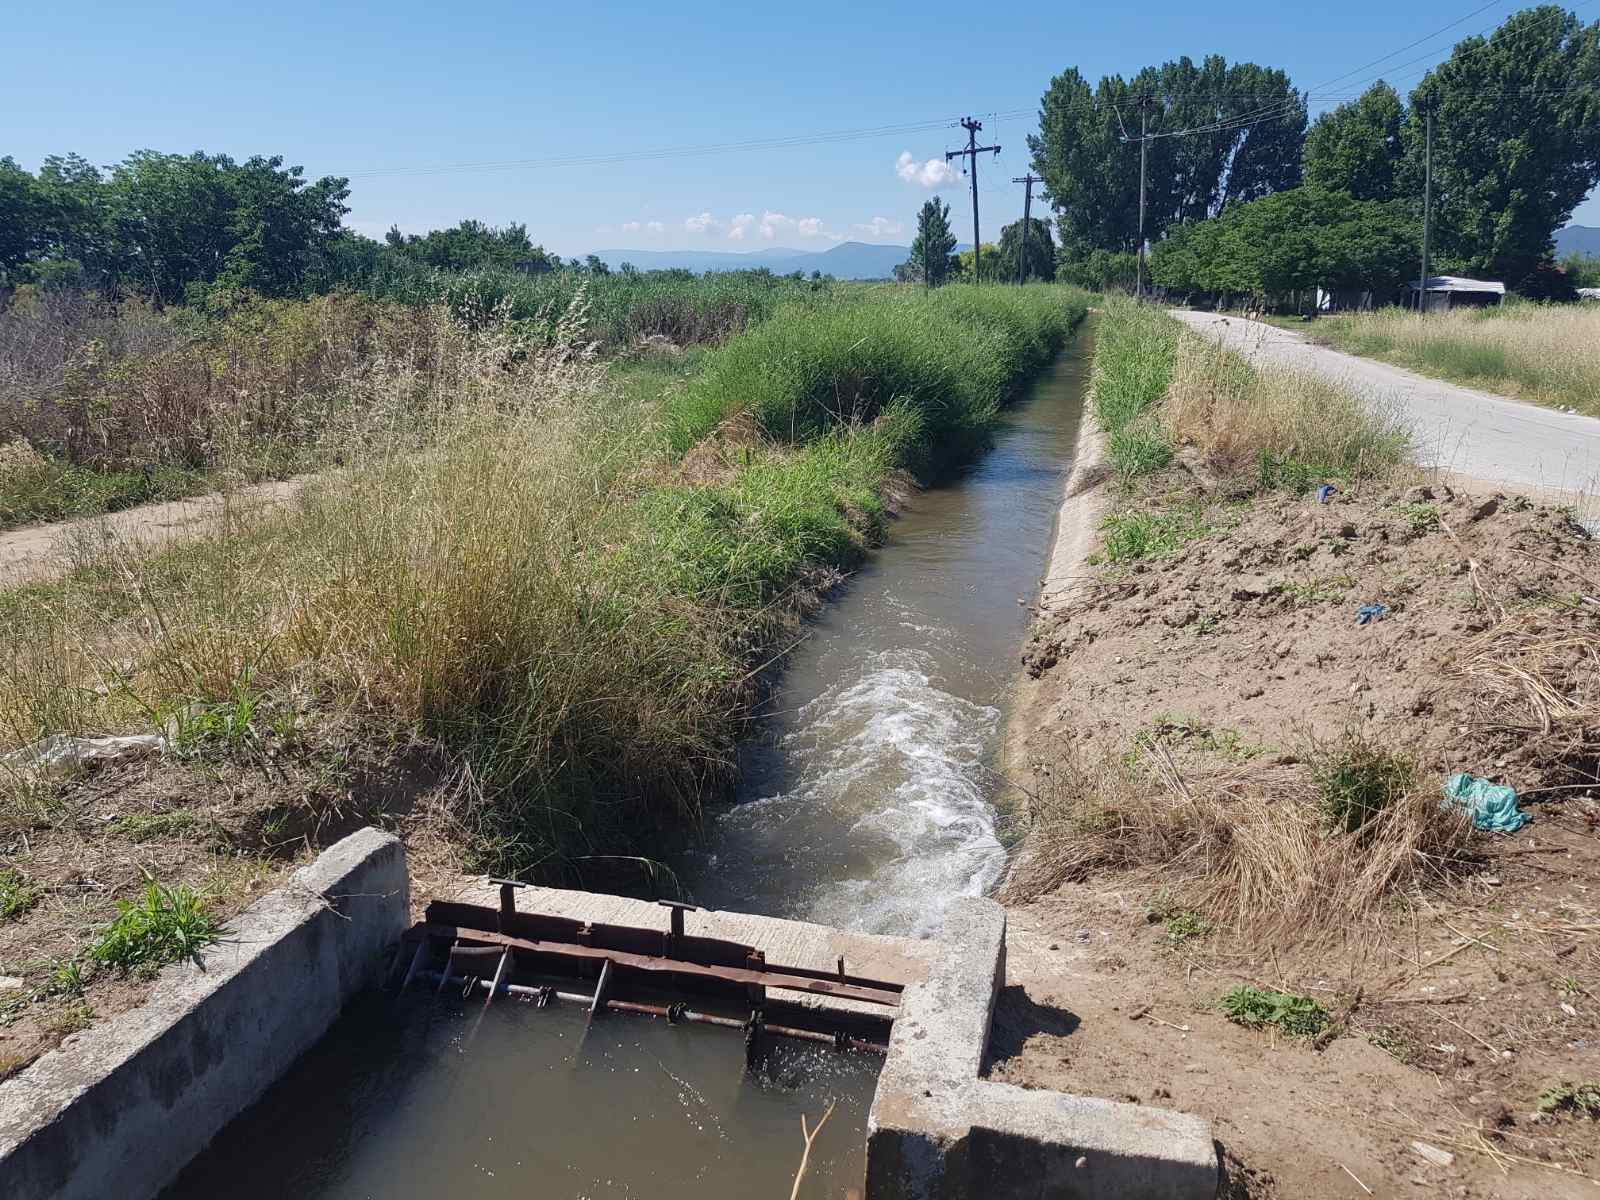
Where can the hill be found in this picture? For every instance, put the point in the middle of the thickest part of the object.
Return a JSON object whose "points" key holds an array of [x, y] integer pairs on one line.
{"points": [[1578, 239]]}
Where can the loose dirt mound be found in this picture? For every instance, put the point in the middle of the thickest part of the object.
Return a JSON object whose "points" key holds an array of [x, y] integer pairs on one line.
{"points": [[1211, 670]]}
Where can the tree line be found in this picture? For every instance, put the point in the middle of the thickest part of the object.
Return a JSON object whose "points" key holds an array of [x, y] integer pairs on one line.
{"points": [[1244, 196], [175, 226]]}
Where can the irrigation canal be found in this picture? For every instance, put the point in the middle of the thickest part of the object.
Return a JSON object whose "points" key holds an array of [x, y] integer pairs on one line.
{"points": [[869, 804]]}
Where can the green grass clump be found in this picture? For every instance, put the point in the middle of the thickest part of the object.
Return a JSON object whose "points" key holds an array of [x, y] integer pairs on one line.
{"points": [[144, 827], [165, 925], [1133, 360], [954, 356], [36, 487], [1357, 780], [1576, 1099], [17, 894], [1257, 1008], [1139, 534]]}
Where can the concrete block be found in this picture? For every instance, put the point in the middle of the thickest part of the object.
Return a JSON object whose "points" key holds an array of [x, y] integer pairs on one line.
{"points": [[121, 1108], [938, 1131]]}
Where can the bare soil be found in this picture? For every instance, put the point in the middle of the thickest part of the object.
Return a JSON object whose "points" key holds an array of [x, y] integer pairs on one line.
{"points": [[1456, 1003], [228, 826], [38, 552]]}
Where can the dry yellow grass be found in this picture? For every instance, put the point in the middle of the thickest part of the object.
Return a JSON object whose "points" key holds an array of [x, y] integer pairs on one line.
{"points": [[1234, 414], [1246, 843], [1545, 353]]}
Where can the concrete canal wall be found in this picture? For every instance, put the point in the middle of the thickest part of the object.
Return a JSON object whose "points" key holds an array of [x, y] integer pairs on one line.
{"points": [[119, 1109]]}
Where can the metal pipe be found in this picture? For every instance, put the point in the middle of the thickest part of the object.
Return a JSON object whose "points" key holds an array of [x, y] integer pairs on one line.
{"points": [[657, 1010]]}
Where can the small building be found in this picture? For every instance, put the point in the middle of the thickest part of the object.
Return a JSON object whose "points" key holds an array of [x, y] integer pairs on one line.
{"points": [[1589, 293], [1445, 292]]}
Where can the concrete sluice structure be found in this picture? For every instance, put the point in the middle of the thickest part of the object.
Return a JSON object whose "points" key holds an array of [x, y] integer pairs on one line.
{"points": [[121, 1108]]}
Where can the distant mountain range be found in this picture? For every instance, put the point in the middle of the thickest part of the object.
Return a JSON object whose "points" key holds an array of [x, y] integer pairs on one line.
{"points": [[847, 260], [1578, 239]]}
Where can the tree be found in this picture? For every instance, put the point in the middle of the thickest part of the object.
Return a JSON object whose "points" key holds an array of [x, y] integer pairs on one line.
{"points": [[1356, 148], [1041, 262], [1292, 242], [595, 265], [472, 245], [1516, 141], [964, 266], [931, 248], [20, 215], [1247, 125]]}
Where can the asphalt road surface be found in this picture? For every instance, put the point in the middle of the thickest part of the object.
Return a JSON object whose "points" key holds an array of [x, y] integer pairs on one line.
{"points": [[1473, 434]]}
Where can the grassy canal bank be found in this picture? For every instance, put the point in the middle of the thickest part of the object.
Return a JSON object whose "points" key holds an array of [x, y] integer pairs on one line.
{"points": [[1238, 838], [523, 622]]}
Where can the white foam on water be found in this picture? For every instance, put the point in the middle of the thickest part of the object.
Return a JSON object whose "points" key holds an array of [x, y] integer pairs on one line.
{"points": [[896, 763]]}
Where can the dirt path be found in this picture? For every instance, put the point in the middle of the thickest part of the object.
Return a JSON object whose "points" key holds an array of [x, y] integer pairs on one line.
{"points": [[1458, 429], [39, 552]]}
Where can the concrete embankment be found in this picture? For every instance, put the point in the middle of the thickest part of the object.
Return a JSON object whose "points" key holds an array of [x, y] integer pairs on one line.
{"points": [[121, 1108]]}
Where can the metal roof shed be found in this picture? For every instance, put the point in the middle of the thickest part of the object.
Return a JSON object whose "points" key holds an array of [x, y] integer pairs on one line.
{"points": [[1455, 291]]}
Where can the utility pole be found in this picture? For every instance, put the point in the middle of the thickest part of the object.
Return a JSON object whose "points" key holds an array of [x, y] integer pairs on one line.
{"points": [[1027, 207], [1144, 156], [971, 152], [1427, 206]]}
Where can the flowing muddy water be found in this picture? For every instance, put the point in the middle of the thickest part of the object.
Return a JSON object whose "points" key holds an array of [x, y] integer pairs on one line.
{"points": [[869, 803]]}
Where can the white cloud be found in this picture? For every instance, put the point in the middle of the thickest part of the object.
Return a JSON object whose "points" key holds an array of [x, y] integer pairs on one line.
{"points": [[655, 227], [631, 227], [809, 226], [880, 227], [931, 174], [741, 225], [771, 222], [704, 223]]}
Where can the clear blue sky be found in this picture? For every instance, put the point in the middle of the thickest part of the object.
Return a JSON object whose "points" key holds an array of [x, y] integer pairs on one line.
{"points": [[357, 88]]}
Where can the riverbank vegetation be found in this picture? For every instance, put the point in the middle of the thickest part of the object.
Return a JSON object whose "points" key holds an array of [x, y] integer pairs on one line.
{"points": [[1543, 353], [1243, 715], [110, 402], [524, 620]]}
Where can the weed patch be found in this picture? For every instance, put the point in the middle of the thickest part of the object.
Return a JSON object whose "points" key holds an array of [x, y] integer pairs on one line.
{"points": [[1260, 1008], [1358, 780], [165, 925], [1572, 1099], [17, 894], [1138, 534]]}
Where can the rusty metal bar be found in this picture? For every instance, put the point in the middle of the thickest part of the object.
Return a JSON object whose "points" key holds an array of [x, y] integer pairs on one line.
{"points": [[674, 1013], [601, 987], [785, 978], [416, 961]]}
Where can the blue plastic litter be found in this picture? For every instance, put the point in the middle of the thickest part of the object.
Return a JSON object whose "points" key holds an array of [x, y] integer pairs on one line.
{"points": [[1324, 492], [1492, 806], [1370, 612]]}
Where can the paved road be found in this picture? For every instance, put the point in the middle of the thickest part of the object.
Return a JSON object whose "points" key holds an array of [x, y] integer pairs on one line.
{"points": [[1475, 434]]}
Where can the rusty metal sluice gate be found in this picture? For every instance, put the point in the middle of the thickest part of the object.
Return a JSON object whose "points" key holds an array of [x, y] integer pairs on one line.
{"points": [[540, 959]]}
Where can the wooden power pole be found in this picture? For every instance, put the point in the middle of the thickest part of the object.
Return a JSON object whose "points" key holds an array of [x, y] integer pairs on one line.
{"points": [[1027, 207], [1144, 155], [971, 153], [1427, 208]]}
